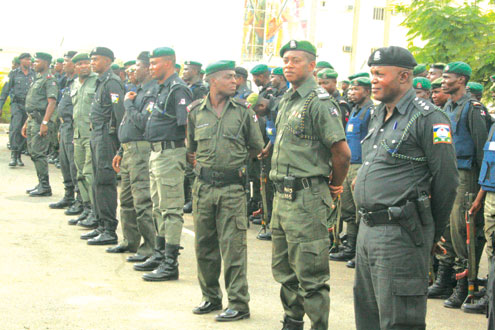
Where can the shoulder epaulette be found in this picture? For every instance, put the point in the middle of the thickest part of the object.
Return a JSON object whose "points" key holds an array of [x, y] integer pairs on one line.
{"points": [[425, 107], [477, 104], [322, 94], [194, 104], [240, 102]]}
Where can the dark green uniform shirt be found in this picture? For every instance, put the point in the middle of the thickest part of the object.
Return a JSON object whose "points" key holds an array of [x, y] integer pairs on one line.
{"points": [[304, 139], [384, 180], [108, 105], [17, 86], [476, 123], [44, 87], [82, 97], [223, 143]]}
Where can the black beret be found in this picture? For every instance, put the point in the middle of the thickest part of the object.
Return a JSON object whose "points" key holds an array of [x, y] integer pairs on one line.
{"points": [[241, 71], [144, 56], [24, 55], [392, 56], [70, 54], [102, 51]]}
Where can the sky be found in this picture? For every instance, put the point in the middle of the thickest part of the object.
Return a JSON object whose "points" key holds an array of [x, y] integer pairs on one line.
{"points": [[198, 30]]}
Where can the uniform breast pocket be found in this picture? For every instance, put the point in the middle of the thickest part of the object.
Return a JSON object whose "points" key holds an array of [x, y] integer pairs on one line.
{"points": [[234, 136], [203, 137], [89, 97]]}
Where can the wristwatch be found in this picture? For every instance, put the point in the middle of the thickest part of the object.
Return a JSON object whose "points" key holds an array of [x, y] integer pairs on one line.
{"points": [[44, 122]]}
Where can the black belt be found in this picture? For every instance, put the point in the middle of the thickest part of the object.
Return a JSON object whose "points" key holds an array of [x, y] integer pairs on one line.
{"points": [[300, 183], [221, 178], [162, 145], [377, 218]]}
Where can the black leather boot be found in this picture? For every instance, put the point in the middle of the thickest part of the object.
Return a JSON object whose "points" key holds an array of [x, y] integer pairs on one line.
{"points": [[442, 288], [43, 190], [19, 160], [75, 208], [479, 307], [460, 293], [169, 267], [13, 159], [348, 252], [84, 215], [187, 207], [291, 324], [90, 222], [156, 258], [66, 201]]}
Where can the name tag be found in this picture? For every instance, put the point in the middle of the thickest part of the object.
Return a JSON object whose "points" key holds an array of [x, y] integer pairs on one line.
{"points": [[350, 128], [491, 146]]}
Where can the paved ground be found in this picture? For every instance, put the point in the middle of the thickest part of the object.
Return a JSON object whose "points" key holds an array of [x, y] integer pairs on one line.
{"points": [[50, 279]]}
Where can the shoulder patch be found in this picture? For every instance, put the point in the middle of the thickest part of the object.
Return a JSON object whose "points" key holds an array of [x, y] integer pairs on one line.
{"points": [[441, 134], [194, 104], [241, 102], [322, 94]]}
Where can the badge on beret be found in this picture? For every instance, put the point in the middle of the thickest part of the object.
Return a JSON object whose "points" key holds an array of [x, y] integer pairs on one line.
{"points": [[377, 56], [419, 85], [441, 134], [446, 68], [293, 44], [115, 98]]}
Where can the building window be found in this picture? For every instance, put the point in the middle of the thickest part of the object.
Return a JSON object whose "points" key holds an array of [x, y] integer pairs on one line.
{"points": [[347, 49], [378, 14]]}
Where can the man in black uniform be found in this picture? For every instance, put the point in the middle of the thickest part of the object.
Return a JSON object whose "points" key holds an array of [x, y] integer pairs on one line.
{"points": [[106, 114], [68, 167], [404, 192], [242, 89], [279, 82], [17, 87]]}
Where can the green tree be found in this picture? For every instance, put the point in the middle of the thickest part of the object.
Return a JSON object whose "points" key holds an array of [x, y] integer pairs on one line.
{"points": [[452, 32]]}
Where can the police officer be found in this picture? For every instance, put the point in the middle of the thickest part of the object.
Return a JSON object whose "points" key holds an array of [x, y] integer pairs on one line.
{"points": [[321, 65], [132, 162], [128, 84], [242, 90], [191, 76], [17, 87], [344, 85], [68, 167], [41, 100], [404, 192], [470, 135], [438, 97], [105, 116], [218, 149], [309, 136], [279, 82], [436, 71], [261, 78], [356, 130], [422, 87], [178, 67], [327, 79], [82, 94], [166, 131]]}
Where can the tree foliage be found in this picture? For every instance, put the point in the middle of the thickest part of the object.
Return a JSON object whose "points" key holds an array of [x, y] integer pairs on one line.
{"points": [[452, 32]]}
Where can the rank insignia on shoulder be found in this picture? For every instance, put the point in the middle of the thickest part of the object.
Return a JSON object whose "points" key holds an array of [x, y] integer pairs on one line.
{"points": [[115, 98], [441, 134], [322, 94], [150, 106]]}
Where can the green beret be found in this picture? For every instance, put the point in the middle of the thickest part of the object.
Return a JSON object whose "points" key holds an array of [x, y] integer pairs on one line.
{"points": [[16, 60], [345, 81], [162, 51], [103, 51], [32, 59], [144, 56], [439, 66], [359, 75], [252, 99], [24, 55], [202, 71], [418, 69], [437, 83], [324, 64], [177, 66], [361, 81], [458, 68], [328, 74], [422, 83], [193, 63], [392, 56], [129, 63], [44, 56], [475, 88], [81, 57], [220, 66], [278, 71], [259, 69], [115, 66], [60, 60], [70, 54], [303, 45]]}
